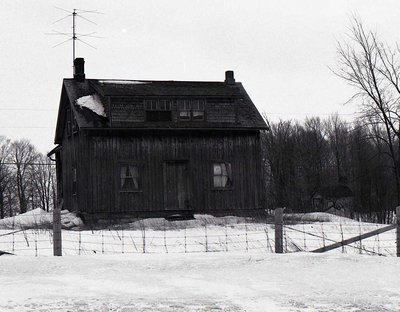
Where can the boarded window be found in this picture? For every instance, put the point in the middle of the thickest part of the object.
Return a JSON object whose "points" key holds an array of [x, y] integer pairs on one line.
{"points": [[158, 110], [222, 175], [129, 178]]}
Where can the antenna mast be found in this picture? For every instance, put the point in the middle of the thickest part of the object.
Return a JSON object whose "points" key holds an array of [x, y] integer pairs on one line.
{"points": [[74, 36]]}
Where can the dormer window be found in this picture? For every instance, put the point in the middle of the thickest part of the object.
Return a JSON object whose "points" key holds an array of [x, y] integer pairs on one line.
{"points": [[191, 110], [198, 110], [158, 110], [184, 109]]}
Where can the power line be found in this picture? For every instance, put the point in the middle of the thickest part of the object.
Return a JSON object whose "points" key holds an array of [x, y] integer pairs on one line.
{"points": [[29, 109], [306, 114], [26, 164], [26, 127]]}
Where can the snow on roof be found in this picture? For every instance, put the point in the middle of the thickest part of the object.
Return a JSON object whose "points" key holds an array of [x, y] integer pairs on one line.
{"points": [[123, 82], [93, 103]]}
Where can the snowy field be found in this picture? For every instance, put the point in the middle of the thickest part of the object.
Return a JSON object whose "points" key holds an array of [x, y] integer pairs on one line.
{"points": [[229, 281], [206, 264]]}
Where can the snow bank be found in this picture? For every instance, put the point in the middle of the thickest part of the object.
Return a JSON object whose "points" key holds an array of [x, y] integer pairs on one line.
{"points": [[123, 82], [93, 103], [316, 217], [38, 218]]}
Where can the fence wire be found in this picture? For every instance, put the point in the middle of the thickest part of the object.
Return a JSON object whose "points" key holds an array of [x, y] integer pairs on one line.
{"points": [[224, 234]]}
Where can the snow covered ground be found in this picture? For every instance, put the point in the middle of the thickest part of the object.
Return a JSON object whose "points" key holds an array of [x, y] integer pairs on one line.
{"points": [[206, 264], [235, 281]]}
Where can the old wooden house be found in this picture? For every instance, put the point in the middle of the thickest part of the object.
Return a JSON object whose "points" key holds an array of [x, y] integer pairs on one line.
{"points": [[157, 148]]}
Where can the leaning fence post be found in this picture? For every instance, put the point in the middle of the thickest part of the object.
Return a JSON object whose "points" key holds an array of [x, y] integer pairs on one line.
{"points": [[279, 230], [57, 243], [398, 231]]}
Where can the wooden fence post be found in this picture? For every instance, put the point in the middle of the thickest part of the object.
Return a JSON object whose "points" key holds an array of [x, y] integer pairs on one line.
{"points": [[57, 242], [279, 230], [398, 231]]}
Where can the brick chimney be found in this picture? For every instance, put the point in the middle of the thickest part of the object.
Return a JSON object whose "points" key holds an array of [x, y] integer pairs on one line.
{"points": [[229, 77], [79, 69]]}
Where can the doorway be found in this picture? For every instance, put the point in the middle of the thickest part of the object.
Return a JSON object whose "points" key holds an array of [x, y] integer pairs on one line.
{"points": [[176, 195]]}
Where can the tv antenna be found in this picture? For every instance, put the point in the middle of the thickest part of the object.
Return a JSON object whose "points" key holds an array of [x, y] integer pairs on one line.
{"points": [[74, 36]]}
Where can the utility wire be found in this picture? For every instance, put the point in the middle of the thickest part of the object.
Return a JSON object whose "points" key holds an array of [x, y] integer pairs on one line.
{"points": [[26, 163]]}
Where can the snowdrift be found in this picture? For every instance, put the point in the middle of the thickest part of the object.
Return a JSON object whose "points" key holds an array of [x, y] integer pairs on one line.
{"points": [[38, 218]]}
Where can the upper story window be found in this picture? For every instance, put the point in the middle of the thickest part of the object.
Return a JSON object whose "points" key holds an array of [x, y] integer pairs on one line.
{"points": [[75, 127], [191, 109], [222, 175], [158, 110]]}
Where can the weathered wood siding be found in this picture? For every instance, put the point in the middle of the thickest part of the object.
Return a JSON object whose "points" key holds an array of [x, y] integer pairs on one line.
{"points": [[98, 174], [70, 160]]}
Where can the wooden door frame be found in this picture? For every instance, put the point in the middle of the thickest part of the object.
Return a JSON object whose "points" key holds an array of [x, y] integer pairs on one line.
{"points": [[187, 177]]}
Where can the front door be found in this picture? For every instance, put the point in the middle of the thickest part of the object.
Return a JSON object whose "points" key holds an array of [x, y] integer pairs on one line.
{"points": [[176, 185]]}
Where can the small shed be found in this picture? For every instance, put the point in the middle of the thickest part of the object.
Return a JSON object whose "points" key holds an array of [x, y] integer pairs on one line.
{"points": [[337, 199], [157, 148]]}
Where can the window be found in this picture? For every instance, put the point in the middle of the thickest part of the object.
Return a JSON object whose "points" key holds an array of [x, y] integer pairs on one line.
{"points": [[184, 110], [75, 127], [129, 178], [191, 109], [198, 110], [222, 175], [158, 110], [69, 128], [74, 179]]}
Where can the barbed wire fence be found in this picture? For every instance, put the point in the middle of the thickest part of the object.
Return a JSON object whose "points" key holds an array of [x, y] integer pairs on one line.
{"points": [[312, 233], [204, 234], [299, 233]]}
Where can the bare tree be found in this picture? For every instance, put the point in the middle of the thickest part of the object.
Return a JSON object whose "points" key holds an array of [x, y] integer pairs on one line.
{"points": [[24, 156], [5, 172], [337, 132], [43, 177], [373, 68]]}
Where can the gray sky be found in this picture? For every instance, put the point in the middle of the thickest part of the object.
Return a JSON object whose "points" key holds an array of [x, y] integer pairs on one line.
{"points": [[280, 50]]}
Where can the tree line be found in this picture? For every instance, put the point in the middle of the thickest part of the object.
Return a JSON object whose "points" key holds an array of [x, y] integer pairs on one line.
{"points": [[302, 158], [27, 178]]}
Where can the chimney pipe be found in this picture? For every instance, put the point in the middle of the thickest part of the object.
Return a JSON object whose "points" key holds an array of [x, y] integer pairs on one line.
{"points": [[79, 69], [229, 77]]}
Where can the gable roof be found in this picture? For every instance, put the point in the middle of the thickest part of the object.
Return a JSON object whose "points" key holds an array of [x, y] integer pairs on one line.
{"points": [[126, 93]]}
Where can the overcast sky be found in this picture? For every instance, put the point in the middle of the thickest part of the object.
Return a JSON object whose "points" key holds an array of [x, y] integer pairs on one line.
{"points": [[280, 50]]}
